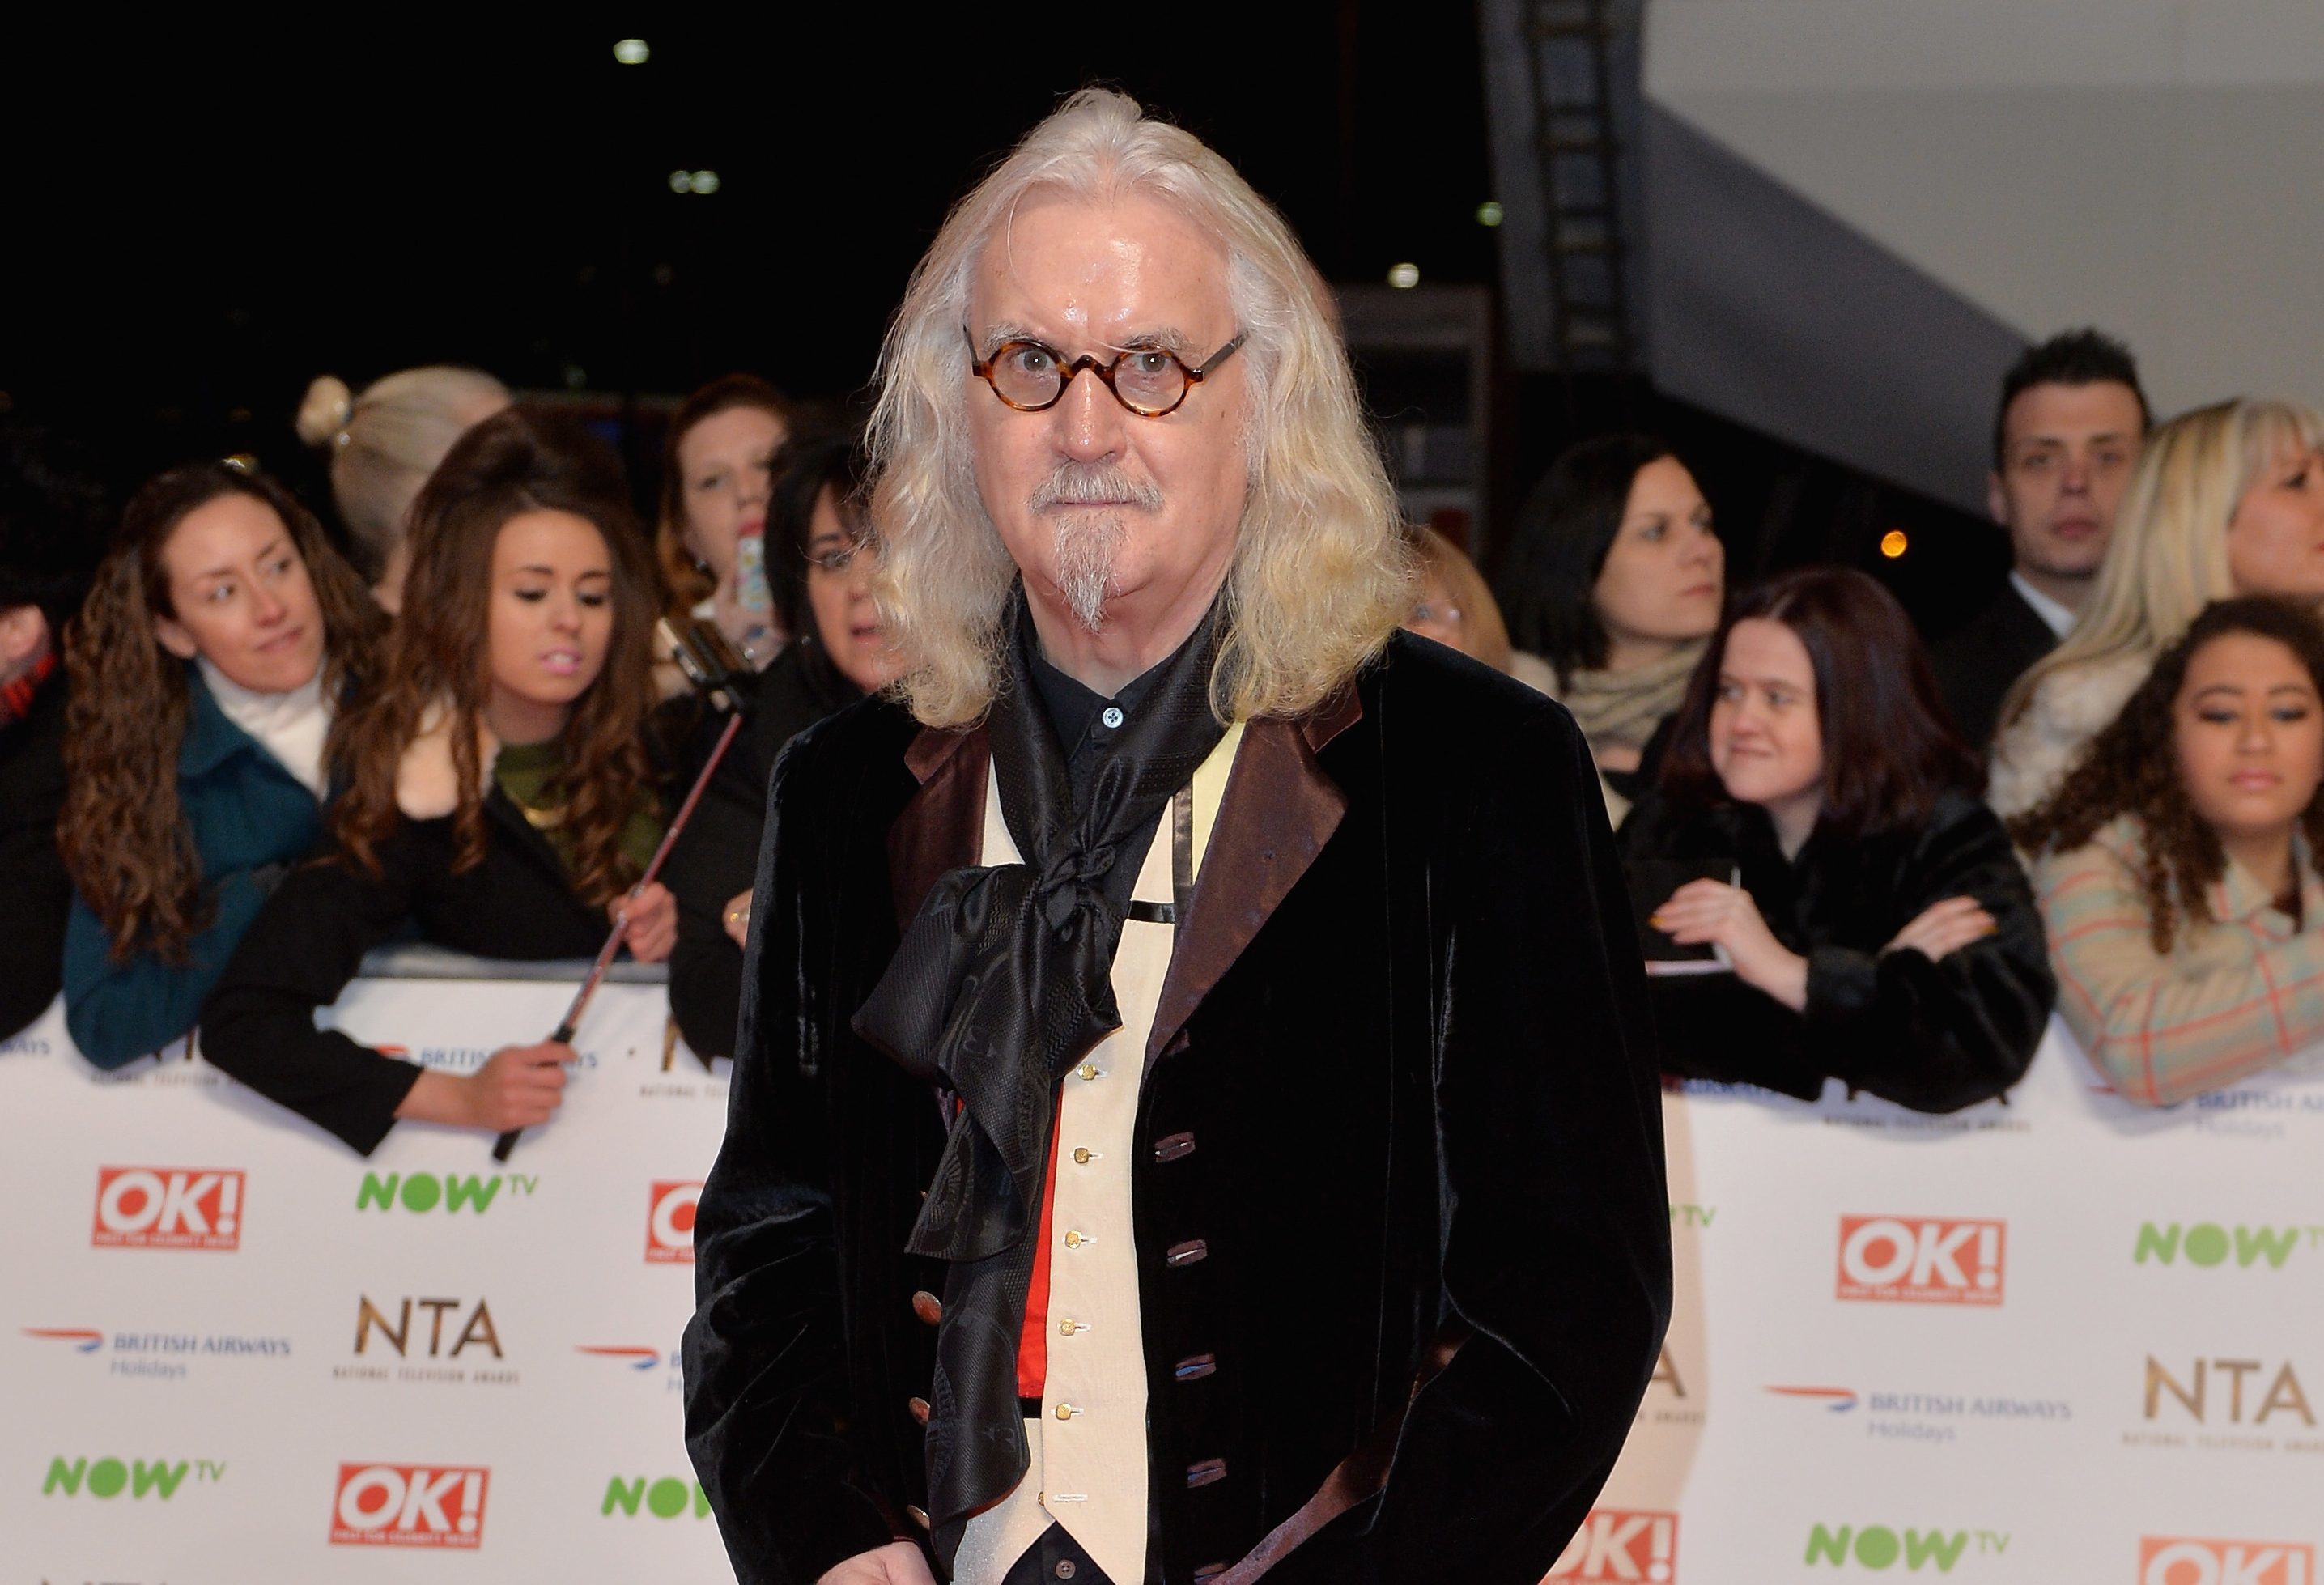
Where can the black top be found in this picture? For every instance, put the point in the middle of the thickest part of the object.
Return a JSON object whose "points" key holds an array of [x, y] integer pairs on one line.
{"points": [[717, 853], [1935, 1037], [1977, 664], [309, 940], [1402, 1074], [35, 893]]}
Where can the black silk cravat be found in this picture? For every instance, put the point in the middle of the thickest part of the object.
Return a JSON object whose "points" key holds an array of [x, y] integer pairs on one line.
{"points": [[1004, 980], [1001, 983]]}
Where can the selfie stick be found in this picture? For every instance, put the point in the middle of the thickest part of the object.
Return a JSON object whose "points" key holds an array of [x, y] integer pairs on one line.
{"points": [[565, 1031]]}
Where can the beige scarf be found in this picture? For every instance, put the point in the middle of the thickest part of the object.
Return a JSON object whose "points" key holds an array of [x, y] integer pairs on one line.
{"points": [[1623, 707]]}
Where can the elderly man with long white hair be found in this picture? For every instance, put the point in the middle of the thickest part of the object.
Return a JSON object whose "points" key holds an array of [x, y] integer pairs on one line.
{"points": [[1193, 1117]]}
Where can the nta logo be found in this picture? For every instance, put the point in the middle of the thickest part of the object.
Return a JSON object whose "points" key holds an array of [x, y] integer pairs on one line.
{"points": [[108, 1478], [409, 1505], [2174, 1560], [167, 1207], [1877, 1546], [665, 1499], [1922, 1260], [478, 1328], [2207, 1243], [2197, 1393], [423, 1191], [1621, 1544], [669, 1222]]}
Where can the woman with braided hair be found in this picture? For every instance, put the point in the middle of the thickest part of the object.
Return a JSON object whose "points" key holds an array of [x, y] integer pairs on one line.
{"points": [[2176, 865]]}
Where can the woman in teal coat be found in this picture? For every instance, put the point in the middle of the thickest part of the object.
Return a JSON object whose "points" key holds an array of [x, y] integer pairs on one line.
{"points": [[222, 634]]}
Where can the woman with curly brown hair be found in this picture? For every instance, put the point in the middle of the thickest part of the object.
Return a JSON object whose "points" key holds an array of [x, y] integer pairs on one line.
{"points": [[2177, 863], [219, 640], [499, 790]]}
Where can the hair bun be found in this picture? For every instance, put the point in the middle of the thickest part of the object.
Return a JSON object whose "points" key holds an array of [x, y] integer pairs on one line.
{"points": [[325, 411]]}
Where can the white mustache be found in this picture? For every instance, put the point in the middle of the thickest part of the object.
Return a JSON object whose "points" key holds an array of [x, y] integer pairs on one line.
{"points": [[1092, 484]]}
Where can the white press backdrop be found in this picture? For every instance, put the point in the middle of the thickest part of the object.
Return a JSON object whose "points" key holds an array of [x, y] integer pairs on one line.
{"points": [[2059, 1340]]}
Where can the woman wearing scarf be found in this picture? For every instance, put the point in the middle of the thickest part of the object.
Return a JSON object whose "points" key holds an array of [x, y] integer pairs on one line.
{"points": [[1612, 587]]}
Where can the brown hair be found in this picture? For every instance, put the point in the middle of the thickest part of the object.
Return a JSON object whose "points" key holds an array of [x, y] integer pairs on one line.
{"points": [[124, 836], [1889, 748], [519, 460], [1482, 632], [2132, 768], [686, 583]]}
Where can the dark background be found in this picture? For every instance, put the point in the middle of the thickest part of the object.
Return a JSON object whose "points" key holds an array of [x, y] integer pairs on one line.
{"points": [[208, 217]]}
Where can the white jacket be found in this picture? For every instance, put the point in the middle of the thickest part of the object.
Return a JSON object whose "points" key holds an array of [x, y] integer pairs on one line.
{"points": [[2033, 753]]}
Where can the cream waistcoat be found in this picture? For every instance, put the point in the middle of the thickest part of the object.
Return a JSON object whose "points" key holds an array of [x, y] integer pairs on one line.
{"points": [[1088, 1470]]}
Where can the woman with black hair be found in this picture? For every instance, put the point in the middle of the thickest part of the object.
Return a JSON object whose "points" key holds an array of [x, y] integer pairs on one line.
{"points": [[819, 572], [1871, 919], [1612, 585]]}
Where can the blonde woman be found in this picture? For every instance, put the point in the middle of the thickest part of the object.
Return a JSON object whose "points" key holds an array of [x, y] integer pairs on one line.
{"points": [[382, 445], [2227, 500], [1455, 607]]}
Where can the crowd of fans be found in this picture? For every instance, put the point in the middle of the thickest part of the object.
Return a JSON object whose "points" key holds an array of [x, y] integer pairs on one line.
{"points": [[234, 758]]}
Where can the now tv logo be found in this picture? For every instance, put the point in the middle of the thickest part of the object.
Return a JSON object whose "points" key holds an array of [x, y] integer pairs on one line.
{"points": [[670, 1223], [1922, 1260], [409, 1505], [2175, 1559], [167, 1207], [1621, 1544]]}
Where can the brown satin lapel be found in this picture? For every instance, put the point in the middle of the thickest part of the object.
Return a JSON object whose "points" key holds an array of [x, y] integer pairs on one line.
{"points": [[943, 827], [1278, 810]]}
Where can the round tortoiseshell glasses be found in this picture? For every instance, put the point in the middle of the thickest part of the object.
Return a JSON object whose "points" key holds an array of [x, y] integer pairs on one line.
{"points": [[1149, 380]]}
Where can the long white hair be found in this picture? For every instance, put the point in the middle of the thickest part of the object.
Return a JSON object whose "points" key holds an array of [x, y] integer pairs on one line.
{"points": [[1321, 575]]}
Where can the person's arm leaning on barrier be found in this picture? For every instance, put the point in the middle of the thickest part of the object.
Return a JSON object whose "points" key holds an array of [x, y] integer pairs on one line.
{"points": [[297, 958], [2161, 1030], [120, 1008], [1940, 1032]]}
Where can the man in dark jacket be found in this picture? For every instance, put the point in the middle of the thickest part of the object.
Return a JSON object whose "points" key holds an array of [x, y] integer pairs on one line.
{"points": [[2065, 437], [1193, 1117], [52, 533]]}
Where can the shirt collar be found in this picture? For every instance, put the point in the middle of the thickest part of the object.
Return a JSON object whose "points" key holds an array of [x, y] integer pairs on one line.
{"points": [[2057, 618], [2239, 898]]}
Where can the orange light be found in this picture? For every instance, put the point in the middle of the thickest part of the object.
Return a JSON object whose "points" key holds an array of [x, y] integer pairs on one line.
{"points": [[1893, 543]]}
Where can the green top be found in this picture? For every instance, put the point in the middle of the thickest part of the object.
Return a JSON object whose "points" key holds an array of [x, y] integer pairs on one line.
{"points": [[525, 773]]}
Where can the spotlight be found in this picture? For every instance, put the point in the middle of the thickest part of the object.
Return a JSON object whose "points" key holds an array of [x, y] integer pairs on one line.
{"points": [[1489, 213], [1403, 275], [632, 52], [681, 181], [1893, 544], [706, 182]]}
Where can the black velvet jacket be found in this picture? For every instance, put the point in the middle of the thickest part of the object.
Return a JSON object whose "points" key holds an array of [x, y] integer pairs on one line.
{"points": [[1404, 1026], [1935, 1037], [309, 939], [717, 853]]}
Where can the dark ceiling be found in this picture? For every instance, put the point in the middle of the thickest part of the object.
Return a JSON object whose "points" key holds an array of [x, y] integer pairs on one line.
{"points": [[209, 219]]}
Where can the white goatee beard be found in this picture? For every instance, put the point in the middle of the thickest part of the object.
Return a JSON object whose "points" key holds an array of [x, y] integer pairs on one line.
{"points": [[1086, 546]]}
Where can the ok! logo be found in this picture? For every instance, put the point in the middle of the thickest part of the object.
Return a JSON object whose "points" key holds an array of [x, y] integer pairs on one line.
{"points": [[1620, 1543], [1921, 1259], [409, 1505], [2167, 1560], [167, 1207], [670, 1223]]}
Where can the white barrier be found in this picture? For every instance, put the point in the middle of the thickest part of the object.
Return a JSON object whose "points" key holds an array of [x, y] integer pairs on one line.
{"points": [[2056, 1340], [234, 1354]]}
